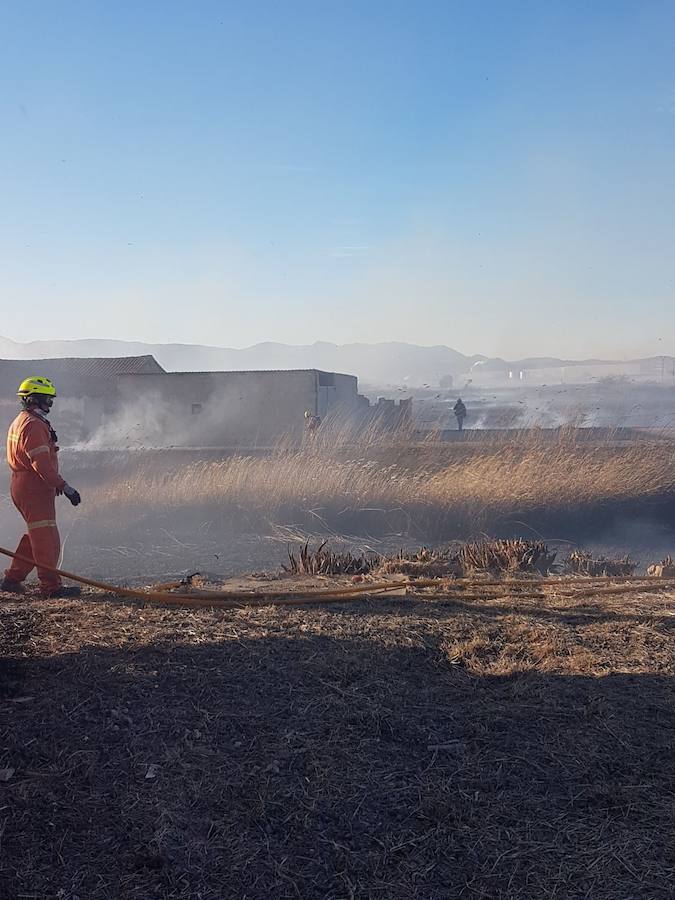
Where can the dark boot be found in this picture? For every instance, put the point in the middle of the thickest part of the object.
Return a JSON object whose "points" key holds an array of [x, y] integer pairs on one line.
{"points": [[62, 591], [9, 586]]}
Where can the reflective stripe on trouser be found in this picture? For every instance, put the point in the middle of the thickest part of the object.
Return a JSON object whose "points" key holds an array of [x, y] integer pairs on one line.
{"points": [[42, 544]]}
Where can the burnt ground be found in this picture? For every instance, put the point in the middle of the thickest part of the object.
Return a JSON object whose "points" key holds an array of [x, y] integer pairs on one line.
{"points": [[414, 747]]}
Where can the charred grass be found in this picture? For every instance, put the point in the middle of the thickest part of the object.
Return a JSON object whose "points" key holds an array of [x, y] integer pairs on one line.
{"points": [[403, 748]]}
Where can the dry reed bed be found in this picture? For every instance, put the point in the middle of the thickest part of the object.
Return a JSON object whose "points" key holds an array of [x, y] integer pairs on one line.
{"points": [[430, 491]]}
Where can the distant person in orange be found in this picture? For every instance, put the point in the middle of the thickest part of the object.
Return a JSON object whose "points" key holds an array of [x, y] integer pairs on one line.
{"points": [[460, 413], [32, 456]]}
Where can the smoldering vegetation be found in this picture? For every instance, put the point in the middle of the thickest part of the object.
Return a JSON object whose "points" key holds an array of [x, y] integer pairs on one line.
{"points": [[150, 421], [610, 403]]}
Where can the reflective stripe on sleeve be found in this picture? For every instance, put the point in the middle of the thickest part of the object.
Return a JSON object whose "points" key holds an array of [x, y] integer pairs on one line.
{"points": [[43, 523], [44, 448]]}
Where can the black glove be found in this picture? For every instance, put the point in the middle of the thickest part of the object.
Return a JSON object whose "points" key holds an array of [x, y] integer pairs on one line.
{"points": [[72, 495]]}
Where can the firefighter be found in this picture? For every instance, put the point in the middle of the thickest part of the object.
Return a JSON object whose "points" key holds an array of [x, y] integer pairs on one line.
{"points": [[460, 413], [311, 424], [32, 456]]}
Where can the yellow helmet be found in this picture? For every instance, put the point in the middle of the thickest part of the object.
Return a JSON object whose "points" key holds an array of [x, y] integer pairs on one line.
{"points": [[36, 386]]}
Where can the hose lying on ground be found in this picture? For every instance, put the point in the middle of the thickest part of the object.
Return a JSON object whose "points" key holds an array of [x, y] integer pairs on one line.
{"points": [[228, 599], [237, 599]]}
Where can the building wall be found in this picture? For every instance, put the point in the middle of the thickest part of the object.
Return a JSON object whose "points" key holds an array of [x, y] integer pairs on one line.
{"points": [[337, 393], [186, 409], [346, 390], [212, 408], [67, 418], [80, 404]]}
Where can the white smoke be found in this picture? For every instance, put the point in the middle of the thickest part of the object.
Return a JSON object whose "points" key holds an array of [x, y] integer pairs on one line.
{"points": [[600, 405], [219, 415]]}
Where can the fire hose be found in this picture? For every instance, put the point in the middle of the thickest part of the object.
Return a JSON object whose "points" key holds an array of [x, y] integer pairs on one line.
{"points": [[237, 599], [221, 599]]}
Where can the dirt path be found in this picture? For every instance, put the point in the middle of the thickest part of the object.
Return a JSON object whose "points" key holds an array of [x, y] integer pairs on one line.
{"points": [[400, 748]]}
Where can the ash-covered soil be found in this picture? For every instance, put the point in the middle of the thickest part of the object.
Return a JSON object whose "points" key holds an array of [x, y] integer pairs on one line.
{"points": [[415, 747]]}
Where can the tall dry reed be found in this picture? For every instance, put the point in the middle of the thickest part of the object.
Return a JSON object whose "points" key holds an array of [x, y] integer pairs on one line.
{"points": [[390, 484]]}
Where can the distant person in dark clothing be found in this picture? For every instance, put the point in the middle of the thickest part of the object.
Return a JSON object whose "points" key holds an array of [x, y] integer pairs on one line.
{"points": [[460, 413]]}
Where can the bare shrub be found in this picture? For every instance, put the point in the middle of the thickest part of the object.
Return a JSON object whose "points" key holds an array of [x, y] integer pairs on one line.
{"points": [[580, 562], [663, 569], [506, 556], [324, 561], [494, 556]]}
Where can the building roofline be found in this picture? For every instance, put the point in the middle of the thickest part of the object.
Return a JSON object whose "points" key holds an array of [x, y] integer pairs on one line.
{"points": [[92, 366], [240, 372]]}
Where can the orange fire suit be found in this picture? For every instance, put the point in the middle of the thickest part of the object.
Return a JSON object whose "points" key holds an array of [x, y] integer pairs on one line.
{"points": [[32, 457]]}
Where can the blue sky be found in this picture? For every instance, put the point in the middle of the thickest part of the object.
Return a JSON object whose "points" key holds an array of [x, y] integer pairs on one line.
{"points": [[498, 177]]}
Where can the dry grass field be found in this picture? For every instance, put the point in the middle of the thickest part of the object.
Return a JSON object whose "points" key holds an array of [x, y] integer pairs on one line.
{"points": [[433, 491], [425, 747]]}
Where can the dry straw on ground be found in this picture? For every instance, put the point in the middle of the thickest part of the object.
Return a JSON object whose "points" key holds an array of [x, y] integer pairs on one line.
{"points": [[407, 749]]}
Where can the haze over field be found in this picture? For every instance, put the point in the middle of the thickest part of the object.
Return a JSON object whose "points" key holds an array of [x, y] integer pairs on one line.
{"points": [[379, 364]]}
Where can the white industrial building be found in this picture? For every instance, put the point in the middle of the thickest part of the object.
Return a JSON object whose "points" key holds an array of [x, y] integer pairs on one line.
{"points": [[132, 401]]}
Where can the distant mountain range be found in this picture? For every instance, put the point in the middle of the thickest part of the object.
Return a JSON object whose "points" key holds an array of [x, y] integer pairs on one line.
{"points": [[379, 364]]}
